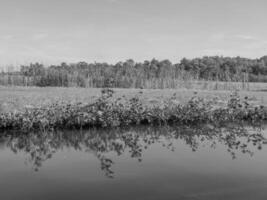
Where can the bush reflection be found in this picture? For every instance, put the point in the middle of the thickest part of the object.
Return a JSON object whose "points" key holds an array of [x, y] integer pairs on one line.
{"points": [[40, 147]]}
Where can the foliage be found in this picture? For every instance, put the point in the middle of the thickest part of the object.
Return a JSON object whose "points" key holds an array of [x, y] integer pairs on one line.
{"points": [[109, 112]]}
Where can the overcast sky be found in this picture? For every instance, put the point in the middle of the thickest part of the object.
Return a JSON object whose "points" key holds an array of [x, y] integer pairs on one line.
{"points": [[53, 31]]}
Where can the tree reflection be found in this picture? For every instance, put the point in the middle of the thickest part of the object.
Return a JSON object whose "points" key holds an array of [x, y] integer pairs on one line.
{"points": [[43, 145]]}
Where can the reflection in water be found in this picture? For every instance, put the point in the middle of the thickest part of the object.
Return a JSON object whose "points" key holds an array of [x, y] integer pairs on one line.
{"points": [[40, 147]]}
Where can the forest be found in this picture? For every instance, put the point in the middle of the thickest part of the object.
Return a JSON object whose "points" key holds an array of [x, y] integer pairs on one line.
{"points": [[131, 74]]}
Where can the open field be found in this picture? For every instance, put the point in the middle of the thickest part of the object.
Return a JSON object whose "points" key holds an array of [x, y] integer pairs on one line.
{"points": [[17, 98]]}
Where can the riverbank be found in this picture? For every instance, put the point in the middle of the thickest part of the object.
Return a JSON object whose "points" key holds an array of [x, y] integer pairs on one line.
{"points": [[108, 110]]}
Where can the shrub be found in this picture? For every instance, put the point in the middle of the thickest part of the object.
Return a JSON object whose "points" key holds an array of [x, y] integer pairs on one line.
{"points": [[109, 112]]}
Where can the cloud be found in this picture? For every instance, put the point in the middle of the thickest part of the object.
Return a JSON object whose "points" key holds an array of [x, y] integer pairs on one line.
{"points": [[256, 45], [113, 1], [218, 52], [246, 37], [224, 36], [39, 36], [253, 43], [6, 37], [218, 36], [235, 45]]}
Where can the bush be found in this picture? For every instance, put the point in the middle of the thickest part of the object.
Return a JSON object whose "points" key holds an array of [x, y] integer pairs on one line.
{"points": [[109, 112]]}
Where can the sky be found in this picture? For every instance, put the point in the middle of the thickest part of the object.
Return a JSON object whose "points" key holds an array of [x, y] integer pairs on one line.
{"points": [[55, 31]]}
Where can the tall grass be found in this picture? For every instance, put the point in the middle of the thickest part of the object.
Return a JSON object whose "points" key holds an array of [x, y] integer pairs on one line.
{"points": [[183, 80], [211, 72]]}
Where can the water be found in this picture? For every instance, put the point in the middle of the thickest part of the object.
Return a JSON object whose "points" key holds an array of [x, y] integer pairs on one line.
{"points": [[207, 162]]}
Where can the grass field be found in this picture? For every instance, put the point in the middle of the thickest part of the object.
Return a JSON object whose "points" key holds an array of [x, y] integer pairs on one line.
{"points": [[17, 98]]}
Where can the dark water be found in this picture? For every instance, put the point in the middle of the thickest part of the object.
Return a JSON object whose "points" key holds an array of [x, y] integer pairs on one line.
{"points": [[152, 163]]}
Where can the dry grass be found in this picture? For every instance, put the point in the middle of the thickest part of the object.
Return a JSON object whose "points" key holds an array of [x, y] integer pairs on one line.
{"points": [[17, 98]]}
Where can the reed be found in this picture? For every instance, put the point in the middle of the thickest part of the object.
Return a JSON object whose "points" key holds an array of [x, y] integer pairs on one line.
{"points": [[182, 82], [213, 72]]}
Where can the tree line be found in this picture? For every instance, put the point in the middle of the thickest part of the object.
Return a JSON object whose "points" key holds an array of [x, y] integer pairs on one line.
{"points": [[147, 74]]}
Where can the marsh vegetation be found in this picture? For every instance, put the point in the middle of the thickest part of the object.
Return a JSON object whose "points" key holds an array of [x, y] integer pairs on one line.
{"points": [[215, 73], [107, 111]]}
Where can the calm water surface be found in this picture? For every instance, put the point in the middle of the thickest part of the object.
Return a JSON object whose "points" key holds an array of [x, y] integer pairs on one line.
{"points": [[198, 163]]}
